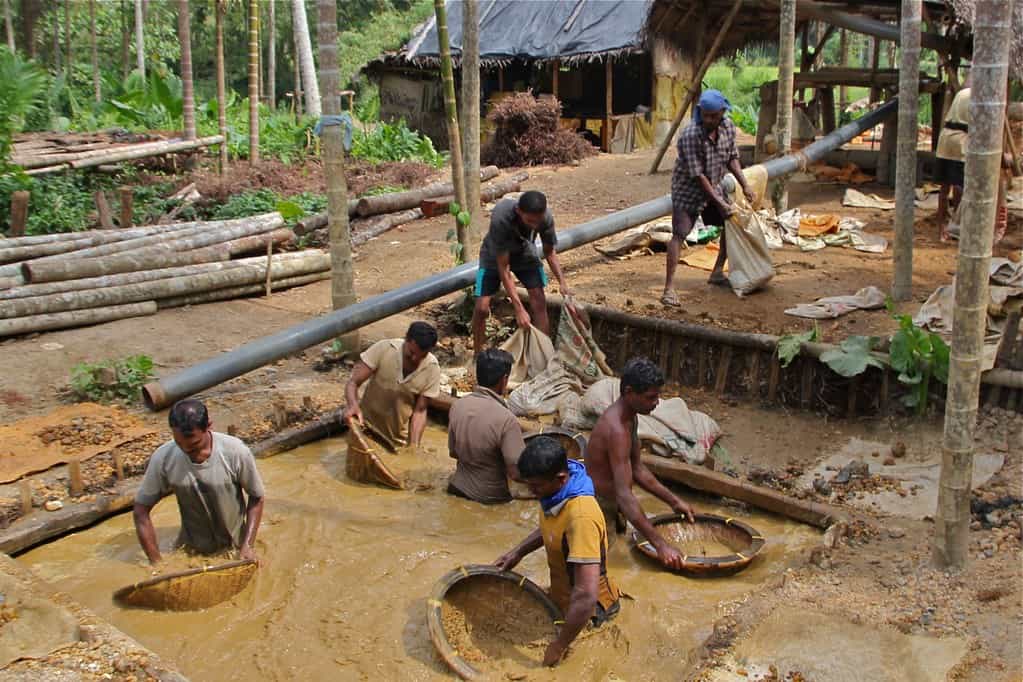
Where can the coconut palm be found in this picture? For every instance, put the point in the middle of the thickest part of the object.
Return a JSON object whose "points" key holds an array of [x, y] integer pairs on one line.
{"points": [[305, 58]]}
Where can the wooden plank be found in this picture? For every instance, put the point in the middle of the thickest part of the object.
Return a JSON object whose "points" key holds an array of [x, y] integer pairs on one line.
{"points": [[705, 480], [724, 364], [753, 374], [853, 388], [19, 212], [701, 364], [772, 381], [127, 197], [605, 130], [103, 210], [806, 383]]}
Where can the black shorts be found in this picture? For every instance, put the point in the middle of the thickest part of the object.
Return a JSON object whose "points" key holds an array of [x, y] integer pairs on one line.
{"points": [[950, 172], [531, 276], [710, 214]]}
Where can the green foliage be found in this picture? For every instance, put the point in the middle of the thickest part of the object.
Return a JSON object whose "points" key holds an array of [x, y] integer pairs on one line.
{"points": [[382, 189], [254, 202], [111, 380], [790, 344], [22, 84], [395, 142], [918, 356], [280, 135], [745, 117], [853, 356]]}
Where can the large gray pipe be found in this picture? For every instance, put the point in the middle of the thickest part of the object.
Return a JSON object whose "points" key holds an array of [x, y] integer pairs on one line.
{"points": [[160, 394], [807, 9], [255, 354]]}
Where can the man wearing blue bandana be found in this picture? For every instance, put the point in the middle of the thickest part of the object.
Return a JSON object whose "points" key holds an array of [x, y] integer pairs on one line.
{"points": [[706, 151], [573, 533]]}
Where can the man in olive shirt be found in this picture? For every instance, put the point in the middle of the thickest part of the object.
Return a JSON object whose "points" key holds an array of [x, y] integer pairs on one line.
{"points": [[210, 474], [483, 435], [397, 378], [510, 248]]}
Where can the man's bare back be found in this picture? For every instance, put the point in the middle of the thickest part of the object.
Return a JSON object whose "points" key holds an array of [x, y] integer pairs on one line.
{"points": [[612, 435]]}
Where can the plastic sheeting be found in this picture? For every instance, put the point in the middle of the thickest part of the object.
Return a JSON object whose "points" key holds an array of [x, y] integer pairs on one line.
{"points": [[540, 29]]}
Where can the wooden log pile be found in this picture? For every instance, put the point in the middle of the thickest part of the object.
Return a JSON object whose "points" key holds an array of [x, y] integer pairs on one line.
{"points": [[68, 280], [56, 153]]}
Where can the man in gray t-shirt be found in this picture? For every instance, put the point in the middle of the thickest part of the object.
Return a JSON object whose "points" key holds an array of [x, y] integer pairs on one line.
{"points": [[517, 231], [211, 475]]}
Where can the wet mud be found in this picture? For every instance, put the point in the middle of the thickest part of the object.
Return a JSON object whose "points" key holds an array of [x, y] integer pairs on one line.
{"points": [[347, 569]]}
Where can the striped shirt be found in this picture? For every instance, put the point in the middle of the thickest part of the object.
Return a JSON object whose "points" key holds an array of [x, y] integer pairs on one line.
{"points": [[698, 155]]}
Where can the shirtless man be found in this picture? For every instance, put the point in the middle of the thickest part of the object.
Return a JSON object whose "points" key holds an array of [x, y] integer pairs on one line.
{"points": [[613, 461]]}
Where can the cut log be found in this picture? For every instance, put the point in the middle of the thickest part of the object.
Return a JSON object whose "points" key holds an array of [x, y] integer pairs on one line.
{"points": [[14, 254], [152, 258], [324, 427], [364, 229], [127, 195], [400, 201], [74, 318], [119, 235], [243, 290], [106, 221], [19, 212], [99, 157], [315, 222], [47, 288], [163, 288], [235, 244], [705, 480]]}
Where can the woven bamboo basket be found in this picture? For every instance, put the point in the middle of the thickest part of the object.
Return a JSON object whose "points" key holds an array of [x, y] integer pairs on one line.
{"points": [[573, 441], [363, 464], [744, 541], [434, 614], [191, 590]]}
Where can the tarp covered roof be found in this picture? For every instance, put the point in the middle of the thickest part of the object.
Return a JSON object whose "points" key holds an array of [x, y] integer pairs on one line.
{"points": [[540, 29]]}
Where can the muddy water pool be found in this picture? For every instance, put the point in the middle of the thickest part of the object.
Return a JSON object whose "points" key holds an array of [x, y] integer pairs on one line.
{"points": [[346, 570]]}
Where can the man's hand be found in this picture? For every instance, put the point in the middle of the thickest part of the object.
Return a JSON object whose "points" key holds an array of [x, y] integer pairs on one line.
{"points": [[750, 196], [555, 652], [669, 556], [522, 318], [246, 553], [508, 561], [684, 508], [565, 291], [352, 412]]}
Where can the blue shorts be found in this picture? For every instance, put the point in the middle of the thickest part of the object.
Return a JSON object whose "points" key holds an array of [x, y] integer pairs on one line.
{"points": [[489, 281]]}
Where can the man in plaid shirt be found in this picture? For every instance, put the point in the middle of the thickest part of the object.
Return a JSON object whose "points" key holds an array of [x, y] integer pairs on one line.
{"points": [[706, 151]]}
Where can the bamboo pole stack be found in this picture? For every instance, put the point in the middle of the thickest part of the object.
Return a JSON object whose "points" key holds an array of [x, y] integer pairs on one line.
{"points": [[58, 281]]}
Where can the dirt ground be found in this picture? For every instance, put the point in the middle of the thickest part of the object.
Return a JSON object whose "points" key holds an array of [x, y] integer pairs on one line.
{"points": [[874, 574]]}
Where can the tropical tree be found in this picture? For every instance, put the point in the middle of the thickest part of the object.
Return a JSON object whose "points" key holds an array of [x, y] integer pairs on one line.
{"points": [[9, 25], [221, 10], [21, 89], [471, 117], [271, 58], [305, 57], [451, 114], [253, 82], [140, 46], [97, 92], [187, 90]]}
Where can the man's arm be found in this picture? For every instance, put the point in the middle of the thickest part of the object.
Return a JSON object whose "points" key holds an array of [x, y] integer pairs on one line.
{"points": [[253, 515], [620, 456], [648, 482], [360, 374], [417, 422], [511, 558], [146, 532], [504, 272], [582, 603], [550, 252], [712, 193], [740, 177]]}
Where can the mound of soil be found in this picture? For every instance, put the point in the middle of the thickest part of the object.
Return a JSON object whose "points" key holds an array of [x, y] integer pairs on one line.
{"points": [[495, 625]]}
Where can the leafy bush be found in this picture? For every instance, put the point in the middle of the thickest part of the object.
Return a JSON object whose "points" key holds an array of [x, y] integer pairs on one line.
{"points": [[258, 201], [527, 131], [395, 142], [745, 117], [111, 380], [280, 135], [22, 84], [918, 356]]}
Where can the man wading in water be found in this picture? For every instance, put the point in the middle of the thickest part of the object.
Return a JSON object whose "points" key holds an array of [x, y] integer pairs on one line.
{"points": [[613, 460], [509, 248], [400, 376], [573, 534], [210, 474], [706, 150]]}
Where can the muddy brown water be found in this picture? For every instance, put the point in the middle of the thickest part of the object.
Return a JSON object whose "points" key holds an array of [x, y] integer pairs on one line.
{"points": [[347, 569]]}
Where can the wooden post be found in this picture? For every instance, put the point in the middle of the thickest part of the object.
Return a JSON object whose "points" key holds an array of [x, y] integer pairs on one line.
{"points": [[127, 206], [992, 33], [25, 491], [889, 137], [19, 212], [753, 377], [721, 381], [843, 61], [74, 468], [772, 380], [827, 100], [118, 465], [103, 209], [937, 111], [269, 264], [786, 66], [555, 69], [605, 131], [905, 162], [875, 57], [694, 87]]}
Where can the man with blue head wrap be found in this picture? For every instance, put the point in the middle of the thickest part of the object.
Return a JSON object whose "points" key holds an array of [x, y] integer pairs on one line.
{"points": [[706, 152]]}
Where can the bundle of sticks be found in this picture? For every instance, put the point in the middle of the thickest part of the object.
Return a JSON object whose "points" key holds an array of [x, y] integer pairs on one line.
{"points": [[57, 281]]}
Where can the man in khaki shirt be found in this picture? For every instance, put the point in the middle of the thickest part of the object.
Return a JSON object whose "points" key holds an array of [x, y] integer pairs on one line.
{"points": [[483, 435], [400, 377]]}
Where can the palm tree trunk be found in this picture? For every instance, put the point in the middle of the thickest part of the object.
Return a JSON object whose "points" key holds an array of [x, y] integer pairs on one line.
{"points": [[992, 33], [271, 59], [843, 60], [125, 41], [905, 160], [187, 89], [305, 58], [451, 113], [9, 25], [140, 45], [68, 61], [95, 54], [56, 44], [342, 281], [471, 117], [786, 65], [253, 82], [221, 9]]}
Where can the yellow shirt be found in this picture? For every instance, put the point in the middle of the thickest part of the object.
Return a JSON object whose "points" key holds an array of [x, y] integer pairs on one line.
{"points": [[576, 535], [952, 143], [388, 397]]}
